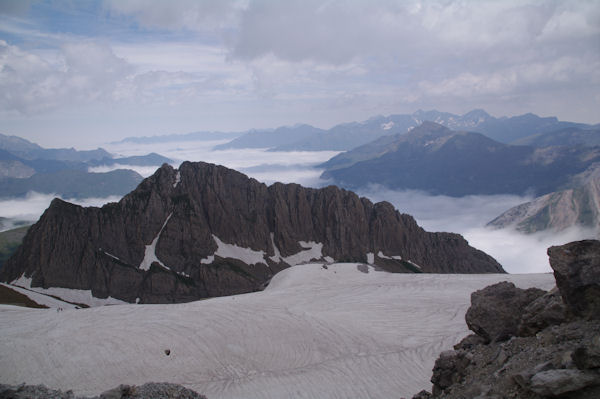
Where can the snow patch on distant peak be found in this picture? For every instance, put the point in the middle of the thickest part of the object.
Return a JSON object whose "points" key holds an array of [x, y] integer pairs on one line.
{"points": [[67, 294], [387, 126], [246, 255], [177, 179], [150, 253]]}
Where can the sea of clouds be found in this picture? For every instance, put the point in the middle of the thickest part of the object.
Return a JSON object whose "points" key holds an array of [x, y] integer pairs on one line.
{"points": [[517, 252]]}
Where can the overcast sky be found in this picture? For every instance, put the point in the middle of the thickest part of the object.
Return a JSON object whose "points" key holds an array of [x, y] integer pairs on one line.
{"points": [[85, 72]]}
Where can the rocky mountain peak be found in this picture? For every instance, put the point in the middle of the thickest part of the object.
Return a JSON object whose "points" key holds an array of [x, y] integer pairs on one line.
{"points": [[204, 230]]}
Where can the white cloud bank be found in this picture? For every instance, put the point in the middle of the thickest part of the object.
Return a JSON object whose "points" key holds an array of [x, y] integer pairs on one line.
{"points": [[31, 207]]}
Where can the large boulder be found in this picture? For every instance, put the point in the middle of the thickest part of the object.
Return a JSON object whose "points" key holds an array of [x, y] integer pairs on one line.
{"points": [[577, 271], [495, 310], [547, 310]]}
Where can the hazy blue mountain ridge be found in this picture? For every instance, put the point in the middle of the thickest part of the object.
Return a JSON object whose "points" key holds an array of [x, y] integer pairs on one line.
{"points": [[72, 184], [571, 136], [269, 138], [438, 160], [346, 136], [26, 167]]}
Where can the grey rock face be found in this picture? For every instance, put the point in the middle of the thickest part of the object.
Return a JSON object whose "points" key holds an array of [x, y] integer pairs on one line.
{"points": [[577, 271], [448, 370], [558, 382], [173, 238], [547, 310], [552, 354], [495, 310]]}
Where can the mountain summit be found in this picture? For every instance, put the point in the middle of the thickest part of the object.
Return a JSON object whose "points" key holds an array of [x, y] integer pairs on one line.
{"points": [[205, 230]]}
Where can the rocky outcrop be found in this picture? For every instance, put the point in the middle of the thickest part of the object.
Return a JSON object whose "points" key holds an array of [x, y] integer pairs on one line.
{"points": [[492, 311], [205, 230], [577, 271], [150, 390], [551, 348]]}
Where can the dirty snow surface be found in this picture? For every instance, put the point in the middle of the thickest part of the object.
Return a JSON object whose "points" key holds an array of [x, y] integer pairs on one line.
{"points": [[340, 331]]}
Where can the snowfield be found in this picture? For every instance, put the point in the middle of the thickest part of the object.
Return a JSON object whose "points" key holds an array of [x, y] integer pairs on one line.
{"points": [[336, 331]]}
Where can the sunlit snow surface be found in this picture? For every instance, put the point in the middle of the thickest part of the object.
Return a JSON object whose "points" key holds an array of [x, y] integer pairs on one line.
{"points": [[315, 332]]}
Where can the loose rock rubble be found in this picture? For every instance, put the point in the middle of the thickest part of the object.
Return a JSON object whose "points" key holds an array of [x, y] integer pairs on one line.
{"points": [[530, 344], [150, 390]]}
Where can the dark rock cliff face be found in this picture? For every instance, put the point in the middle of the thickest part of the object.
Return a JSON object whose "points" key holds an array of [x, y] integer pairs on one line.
{"points": [[205, 230]]}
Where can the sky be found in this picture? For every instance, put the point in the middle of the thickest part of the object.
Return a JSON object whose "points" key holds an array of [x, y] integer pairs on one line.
{"points": [[82, 73]]}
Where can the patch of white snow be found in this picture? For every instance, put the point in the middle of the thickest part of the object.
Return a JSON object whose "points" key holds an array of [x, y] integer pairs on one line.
{"points": [[150, 253], [111, 255], [387, 126], [246, 255], [208, 260], [370, 258], [277, 256], [313, 251], [414, 264], [68, 294], [382, 256], [41, 299]]}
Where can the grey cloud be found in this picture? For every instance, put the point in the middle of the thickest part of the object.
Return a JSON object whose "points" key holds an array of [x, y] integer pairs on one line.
{"points": [[86, 72]]}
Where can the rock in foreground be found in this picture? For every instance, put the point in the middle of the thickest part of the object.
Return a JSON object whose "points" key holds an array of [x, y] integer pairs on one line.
{"points": [[544, 348], [150, 390]]}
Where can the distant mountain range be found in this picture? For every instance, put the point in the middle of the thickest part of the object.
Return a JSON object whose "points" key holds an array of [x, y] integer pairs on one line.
{"points": [[194, 136], [347, 136], [272, 138], [571, 136], [438, 160], [25, 167]]}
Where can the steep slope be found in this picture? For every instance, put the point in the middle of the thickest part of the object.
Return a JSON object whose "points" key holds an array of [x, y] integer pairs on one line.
{"points": [[436, 159], [205, 230], [557, 211]]}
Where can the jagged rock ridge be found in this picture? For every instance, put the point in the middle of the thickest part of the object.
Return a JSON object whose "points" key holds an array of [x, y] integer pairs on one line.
{"points": [[205, 230]]}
